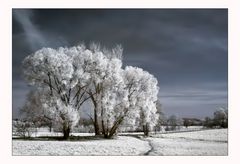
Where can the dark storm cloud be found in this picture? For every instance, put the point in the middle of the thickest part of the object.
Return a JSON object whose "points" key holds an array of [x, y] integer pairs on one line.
{"points": [[184, 49], [20, 90]]}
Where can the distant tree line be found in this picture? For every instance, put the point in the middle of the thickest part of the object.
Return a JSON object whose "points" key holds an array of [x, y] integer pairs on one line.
{"points": [[32, 120]]}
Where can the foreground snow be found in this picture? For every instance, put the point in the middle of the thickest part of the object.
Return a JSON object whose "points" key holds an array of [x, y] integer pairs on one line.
{"points": [[123, 145], [207, 142]]}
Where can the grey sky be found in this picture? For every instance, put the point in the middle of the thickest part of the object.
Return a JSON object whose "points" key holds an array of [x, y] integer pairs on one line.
{"points": [[186, 49]]}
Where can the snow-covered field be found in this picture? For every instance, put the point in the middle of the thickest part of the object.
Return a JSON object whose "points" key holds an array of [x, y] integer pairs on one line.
{"points": [[207, 142], [123, 145], [205, 135]]}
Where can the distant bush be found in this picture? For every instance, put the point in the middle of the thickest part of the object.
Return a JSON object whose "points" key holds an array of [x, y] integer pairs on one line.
{"points": [[219, 120], [173, 123], [23, 129]]}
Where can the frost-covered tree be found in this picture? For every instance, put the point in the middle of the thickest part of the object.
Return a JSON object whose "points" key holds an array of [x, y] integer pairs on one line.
{"points": [[65, 115], [113, 102], [33, 111], [61, 74], [130, 96], [143, 91], [68, 77], [162, 120], [221, 118], [104, 67]]}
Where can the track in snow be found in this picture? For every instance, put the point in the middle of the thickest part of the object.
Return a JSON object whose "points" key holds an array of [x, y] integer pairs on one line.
{"points": [[145, 140], [152, 148]]}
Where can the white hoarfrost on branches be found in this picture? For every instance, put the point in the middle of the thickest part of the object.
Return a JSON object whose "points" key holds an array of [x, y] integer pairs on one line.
{"points": [[48, 62], [67, 77], [142, 94], [132, 93], [58, 111]]}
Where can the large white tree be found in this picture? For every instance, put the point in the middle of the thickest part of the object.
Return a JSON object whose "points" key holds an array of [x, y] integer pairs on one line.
{"points": [[142, 94], [104, 67], [68, 77], [61, 77], [130, 96]]}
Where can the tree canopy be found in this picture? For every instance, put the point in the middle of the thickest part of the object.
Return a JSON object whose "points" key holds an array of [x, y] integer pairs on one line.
{"points": [[65, 78]]}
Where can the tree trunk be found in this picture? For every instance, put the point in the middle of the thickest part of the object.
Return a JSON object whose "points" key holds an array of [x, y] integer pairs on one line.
{"points": [[103, 129], [95, 119], [50, 127], [112, 132], [114, 128], [66, 131], [96, 125], [146, 130]]}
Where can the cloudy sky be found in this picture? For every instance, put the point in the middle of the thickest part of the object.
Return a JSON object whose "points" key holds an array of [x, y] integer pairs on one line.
{"points": [[186, 49]]}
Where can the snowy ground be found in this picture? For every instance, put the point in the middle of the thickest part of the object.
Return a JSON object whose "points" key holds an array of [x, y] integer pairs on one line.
{"points": [[207, 142], [123, 145], [205, 135]]}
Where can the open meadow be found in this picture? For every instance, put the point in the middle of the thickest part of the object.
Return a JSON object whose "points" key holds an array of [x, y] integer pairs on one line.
{"points": [[206, 142]]}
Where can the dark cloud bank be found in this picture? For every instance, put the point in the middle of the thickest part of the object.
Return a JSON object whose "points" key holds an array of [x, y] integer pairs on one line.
{"points": [[186, 49]]}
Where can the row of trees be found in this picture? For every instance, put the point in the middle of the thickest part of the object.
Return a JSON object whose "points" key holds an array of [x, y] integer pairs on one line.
{"points": [[219, 120], [66, 78]]}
